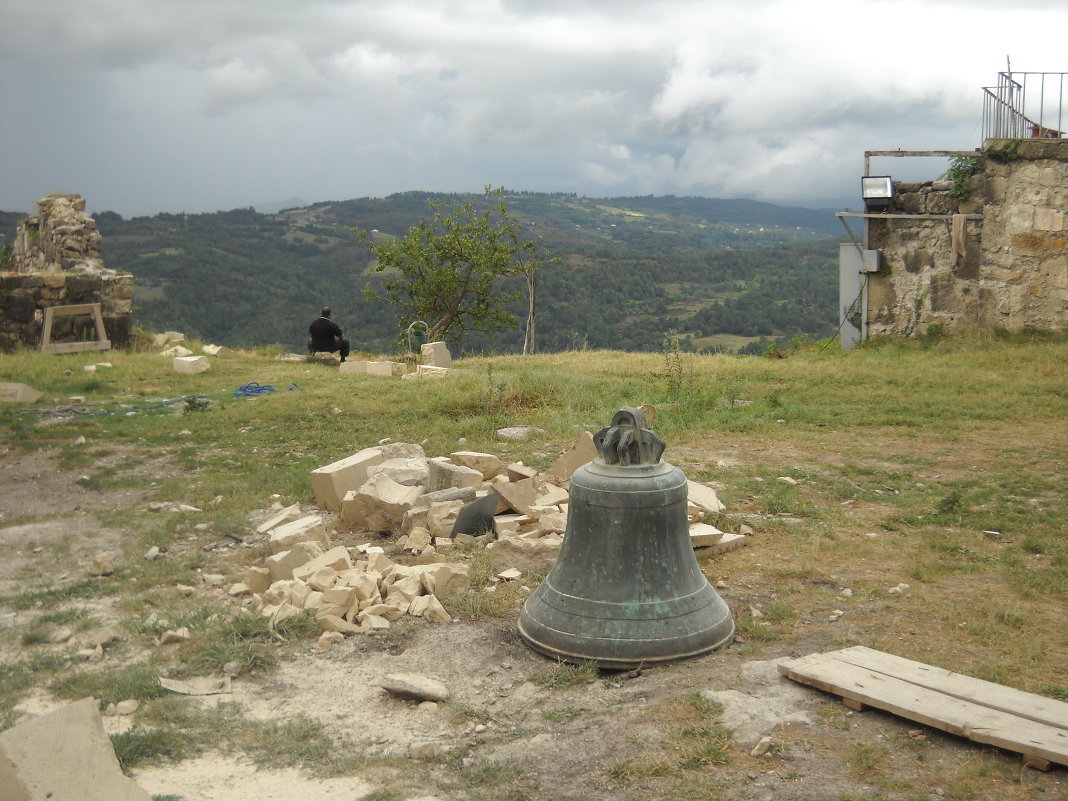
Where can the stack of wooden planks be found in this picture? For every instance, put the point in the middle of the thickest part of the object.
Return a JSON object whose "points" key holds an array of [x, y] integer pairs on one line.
{"points": [[1032, 725]]}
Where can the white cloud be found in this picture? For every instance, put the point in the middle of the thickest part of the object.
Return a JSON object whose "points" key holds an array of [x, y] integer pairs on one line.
{"points": [[773, 99]]}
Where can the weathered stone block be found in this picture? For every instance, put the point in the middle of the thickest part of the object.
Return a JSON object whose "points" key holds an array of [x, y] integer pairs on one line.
{"points": [[443, 475], [333, 481], [583, 450], [305, 529], [487, 464], [379, 504], [529, 556], [704, 497], [62, 756], [436, 354], [191, 365], [18, 393]]}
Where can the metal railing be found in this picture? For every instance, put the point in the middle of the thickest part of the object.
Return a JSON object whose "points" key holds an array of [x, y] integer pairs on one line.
{"points": [[1025, 105]]}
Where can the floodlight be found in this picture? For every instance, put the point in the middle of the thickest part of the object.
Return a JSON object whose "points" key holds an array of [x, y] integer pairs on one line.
{"points": [[876, 191]]}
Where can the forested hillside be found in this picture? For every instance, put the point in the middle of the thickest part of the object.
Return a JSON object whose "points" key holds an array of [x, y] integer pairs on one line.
{"points": [[720, 273]]}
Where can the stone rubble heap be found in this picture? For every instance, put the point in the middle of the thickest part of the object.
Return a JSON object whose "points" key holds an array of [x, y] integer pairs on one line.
{"points": [[395, 487]]}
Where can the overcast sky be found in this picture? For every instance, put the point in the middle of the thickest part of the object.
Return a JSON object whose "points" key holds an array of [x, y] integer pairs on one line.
{"points": [[145, 106]]}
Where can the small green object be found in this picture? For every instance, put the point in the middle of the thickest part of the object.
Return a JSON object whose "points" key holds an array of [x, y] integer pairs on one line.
{"points": [[417, 336]]}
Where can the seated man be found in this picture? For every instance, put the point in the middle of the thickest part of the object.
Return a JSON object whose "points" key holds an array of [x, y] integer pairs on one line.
{"points": [[326, 336]]}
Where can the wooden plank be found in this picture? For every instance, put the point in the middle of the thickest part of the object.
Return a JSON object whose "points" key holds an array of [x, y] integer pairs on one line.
{"points": [[930, 707], [968, 688], [76, 347]]}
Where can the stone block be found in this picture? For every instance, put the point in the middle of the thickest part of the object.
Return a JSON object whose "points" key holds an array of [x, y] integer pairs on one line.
{"points": [[429, 371], [583, 450], [435, 612], [18, 393], [215, 350], [63, 756], [333, 481], [176, 350], [704, 497], [447, 578], [444, 475], [518, 495], [410, 471], [191, 365], [413, 686], [487, 464], [166, 338], [551, 495], [390, 369], [281, 564], [357, 366], [435, 354], [528, 556], [334, 623], [336, 559], [728, 542], [309, 528], [517, 471], [287, 515], [379, 504], [257, 579], [702, 534], [441, 517], [552, 522]]}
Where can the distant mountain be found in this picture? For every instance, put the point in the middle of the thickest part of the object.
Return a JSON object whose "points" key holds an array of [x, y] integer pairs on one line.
{"points": [[721, 273]]}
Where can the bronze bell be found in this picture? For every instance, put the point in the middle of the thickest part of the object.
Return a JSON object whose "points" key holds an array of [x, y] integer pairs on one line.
{"points": [[626, 588]]}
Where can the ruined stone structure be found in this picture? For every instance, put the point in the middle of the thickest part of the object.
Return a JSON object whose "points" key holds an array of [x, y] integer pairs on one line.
{"points": [[995, 260], [57, 262]]}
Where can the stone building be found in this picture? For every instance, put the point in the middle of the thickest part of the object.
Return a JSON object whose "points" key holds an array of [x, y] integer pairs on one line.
{"points": [[57, 262], [986, 253]]}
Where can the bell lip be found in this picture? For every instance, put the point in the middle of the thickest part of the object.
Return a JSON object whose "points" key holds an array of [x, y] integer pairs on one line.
{"points": [[621, 663]]}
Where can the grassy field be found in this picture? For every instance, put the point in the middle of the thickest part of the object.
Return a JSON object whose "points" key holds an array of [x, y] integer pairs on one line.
{"points": [[938, 465]]}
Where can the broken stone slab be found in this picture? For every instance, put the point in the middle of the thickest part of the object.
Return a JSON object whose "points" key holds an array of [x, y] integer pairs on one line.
{"points": [[414, 686], [550, 495], [518, 495], [517, 471], [215, 350], [336, 559], [165, 338], [704, 497], [582, 451], [309, 528], [441, 517], [443, 474], [18, 393], [528, 556], [64, 756], [728, 542], [333, 481], [191, 365], [703, 535], [518, 432], [426, 750], [379, 504], [486, 463], [409, 471], [176, 350], [328, 638], [445, 579], [103, 564], [287, 515], [282, 564], [174, 636], [435, 354], [511, 574]]}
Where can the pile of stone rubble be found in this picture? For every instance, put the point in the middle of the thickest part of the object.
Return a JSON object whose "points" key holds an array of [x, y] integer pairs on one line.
{"points": [[395, 487]]}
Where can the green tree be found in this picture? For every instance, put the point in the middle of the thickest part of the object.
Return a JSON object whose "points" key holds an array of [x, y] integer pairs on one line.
{"points": [[443, 270]]}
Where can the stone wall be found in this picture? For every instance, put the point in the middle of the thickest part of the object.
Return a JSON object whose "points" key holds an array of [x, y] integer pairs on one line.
{"points": [[57, 262], [998, 260]]}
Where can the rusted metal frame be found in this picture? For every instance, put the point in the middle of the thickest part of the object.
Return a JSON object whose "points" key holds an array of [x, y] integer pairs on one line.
{"points": [[908, 153]]}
